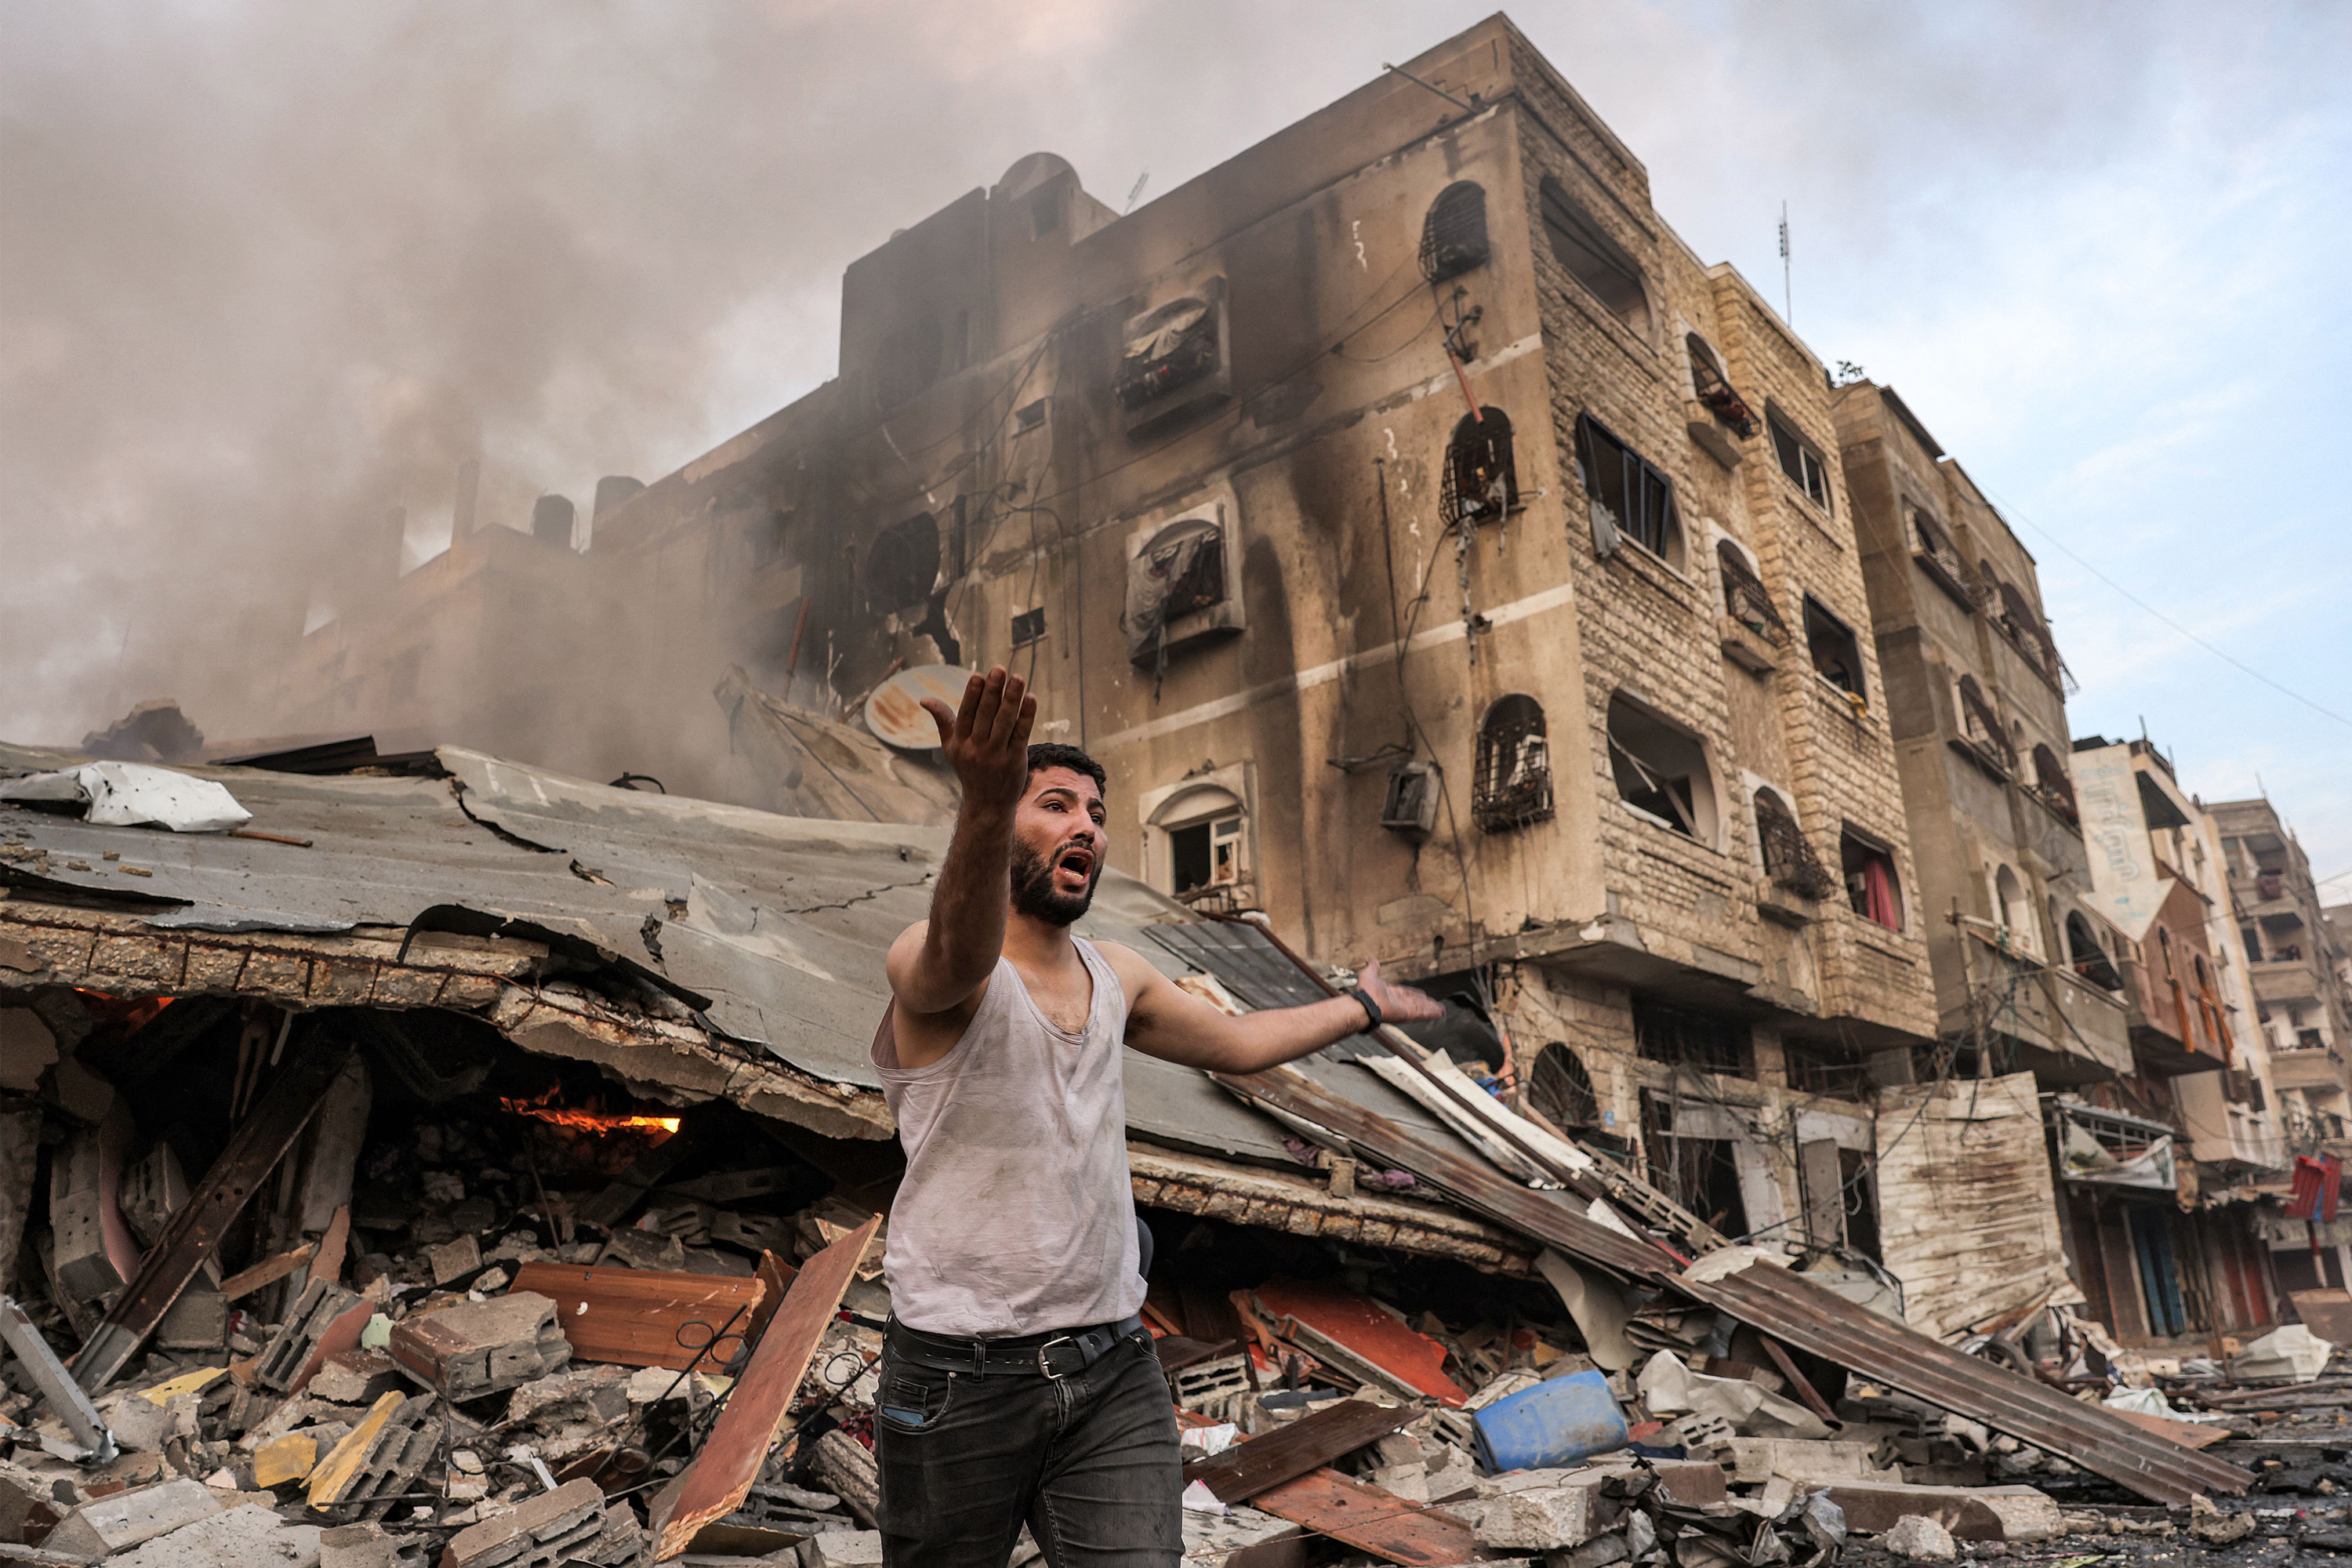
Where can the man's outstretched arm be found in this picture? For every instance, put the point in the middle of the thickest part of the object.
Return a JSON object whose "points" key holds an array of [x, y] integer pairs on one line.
{"points": [[1167, 1021], [936, 965]]}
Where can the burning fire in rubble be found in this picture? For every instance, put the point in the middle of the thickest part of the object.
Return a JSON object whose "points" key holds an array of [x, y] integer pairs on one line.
{"points": [[543, 1108]]}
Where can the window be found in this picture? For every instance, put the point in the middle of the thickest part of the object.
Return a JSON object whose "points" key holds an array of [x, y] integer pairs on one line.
{"points": [[1028, 416], [1982, 726], [2013, 911], [1179, 573], [1744, 599], [1800, 459], [1205, 854], [1788, 858], [1933, 550], [1639, 499], [1815, 1067], [1561, 1091], [2253, 942], [2051, 783], [1480, 483], [1594, 260], [1045, 212], [770, 534], [2089, 959], [1511, 786], [902, 563], [1835, 655], [1713, 387], [1202, 833], [1661, 769], [2017, 617], [1683, 1038], [1029, 627], [1871, 886], [1166, 349], [908, 362], [1454, 235]]}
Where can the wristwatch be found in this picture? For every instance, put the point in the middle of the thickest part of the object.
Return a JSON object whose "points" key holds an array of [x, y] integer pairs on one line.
{"points": [[1372, 1010]]}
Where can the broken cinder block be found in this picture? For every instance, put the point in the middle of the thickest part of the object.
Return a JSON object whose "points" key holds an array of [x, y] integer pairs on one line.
{"points": [[571, 1523], [116, 1523], [1970, 1513], [325, 1318], [251, 1536], [481, 1347]]}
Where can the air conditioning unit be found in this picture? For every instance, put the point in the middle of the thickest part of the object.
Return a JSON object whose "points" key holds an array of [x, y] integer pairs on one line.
{"points": [[1175, 359], [1411, 805]]}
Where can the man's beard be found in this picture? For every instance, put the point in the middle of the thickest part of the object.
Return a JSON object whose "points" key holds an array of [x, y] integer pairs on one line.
{"points": [[1034, 895]]}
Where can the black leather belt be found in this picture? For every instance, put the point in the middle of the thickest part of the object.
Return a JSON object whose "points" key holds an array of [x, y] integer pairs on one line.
{"points": [[1061, 1353]]}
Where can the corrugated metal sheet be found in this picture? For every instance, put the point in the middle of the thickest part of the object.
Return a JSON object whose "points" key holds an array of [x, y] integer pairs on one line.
{"points": [[1788, 1307]]}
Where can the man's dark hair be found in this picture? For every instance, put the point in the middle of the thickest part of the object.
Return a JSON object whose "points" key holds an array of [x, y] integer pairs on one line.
{"points": [[1053, 755]]}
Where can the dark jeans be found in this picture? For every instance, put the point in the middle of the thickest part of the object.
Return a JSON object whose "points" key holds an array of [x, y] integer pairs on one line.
{"points": [[1088, 1461]]}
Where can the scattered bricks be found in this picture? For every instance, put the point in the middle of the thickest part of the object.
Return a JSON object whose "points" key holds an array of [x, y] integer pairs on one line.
{"points": [[374, 1466], [1918, 1539], [251, 1536], [319, 1315], [480, 1347], [549, 1528], [1970, 1513], [283, 1459], [455, 1259], [843, 1548], [123, 1521], [354, 1377]]}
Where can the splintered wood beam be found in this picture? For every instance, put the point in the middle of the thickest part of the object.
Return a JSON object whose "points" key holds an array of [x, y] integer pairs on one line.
{"points": [[267, 1271], [720, 1476], [278, 1117], [1286, 1453]]}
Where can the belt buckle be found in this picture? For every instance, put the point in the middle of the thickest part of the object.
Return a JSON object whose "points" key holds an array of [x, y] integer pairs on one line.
{"points": [[1045, 1352]]}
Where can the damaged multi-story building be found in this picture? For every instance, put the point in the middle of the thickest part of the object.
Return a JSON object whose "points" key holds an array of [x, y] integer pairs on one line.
{"points": [[1404, 484]]}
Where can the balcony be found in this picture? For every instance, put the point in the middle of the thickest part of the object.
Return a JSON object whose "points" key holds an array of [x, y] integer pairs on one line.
{"points": [[2281, 917], [2307, 1069], [2289, 982]]}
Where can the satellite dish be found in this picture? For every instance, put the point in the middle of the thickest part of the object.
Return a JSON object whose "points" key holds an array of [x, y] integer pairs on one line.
{"points": [[895, 710]]}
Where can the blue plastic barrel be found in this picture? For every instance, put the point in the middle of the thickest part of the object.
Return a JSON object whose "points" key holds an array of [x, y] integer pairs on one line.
{"points": [[1557, 1422]]}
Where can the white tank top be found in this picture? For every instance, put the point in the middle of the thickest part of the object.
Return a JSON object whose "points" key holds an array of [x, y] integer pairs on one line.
{"points": [[1015, 1216]]}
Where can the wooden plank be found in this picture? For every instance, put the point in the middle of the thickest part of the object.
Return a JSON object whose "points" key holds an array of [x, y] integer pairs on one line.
{"points": [[251, 1280], [1370, 1520], [2188, 1433], [730, 1460], [630, 1317], [775, 1276], [1310, 1443]]}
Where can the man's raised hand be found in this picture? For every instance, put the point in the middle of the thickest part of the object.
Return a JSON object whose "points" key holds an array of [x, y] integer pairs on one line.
{"points": [[1398, 1004], [987, 739]]}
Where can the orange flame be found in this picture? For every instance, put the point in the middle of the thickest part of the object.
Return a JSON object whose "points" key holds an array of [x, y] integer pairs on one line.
{"points": [[589, 1121]]}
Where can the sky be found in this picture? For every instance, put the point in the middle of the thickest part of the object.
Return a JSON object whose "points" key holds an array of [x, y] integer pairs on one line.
{"points": [[270, 271]]}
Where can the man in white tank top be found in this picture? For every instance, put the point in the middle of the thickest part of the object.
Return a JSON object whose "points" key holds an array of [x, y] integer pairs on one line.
{"points": [[1017, 1382]]}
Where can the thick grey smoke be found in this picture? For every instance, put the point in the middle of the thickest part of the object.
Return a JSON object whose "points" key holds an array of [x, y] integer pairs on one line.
{"points": [[271, 271]]}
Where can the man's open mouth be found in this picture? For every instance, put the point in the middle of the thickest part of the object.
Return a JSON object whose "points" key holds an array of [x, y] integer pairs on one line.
{"points": [[1077, 860]]}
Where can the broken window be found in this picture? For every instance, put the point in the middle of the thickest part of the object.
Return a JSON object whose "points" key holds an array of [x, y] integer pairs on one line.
{"points": [[1871, 886], [2051, 783], [770, 533], [1480, 482], [1561, 1091], [1028, 416], [1814, 1066], [1410, 805], [1713, 387], [1835, 654], [1745, 598], [1800, 459], [908, 362], [2090, 960], [902, 563], [1661, 769], [1789, 857], [1511, 785], [1595, 259], [1169, 348], [1982, 726], [1203, 829], [1180, 573], [1679, 1038], [1454, 235], [1933, 550], [1029, 627], [2016, 616], [1639, 500]]}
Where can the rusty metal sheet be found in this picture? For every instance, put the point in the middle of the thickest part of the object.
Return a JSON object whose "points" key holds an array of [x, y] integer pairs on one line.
{"points": [[2328, 1313], [1801, 1313], [1370, 1520], [1286, 1453]]}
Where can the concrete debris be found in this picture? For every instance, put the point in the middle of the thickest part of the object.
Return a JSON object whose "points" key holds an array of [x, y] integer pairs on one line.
{"points": [[115, 1523], [843, 1548], [571, 1524], [249, 1536], [473, 1348], [326, 1319], [1917, 1538]]}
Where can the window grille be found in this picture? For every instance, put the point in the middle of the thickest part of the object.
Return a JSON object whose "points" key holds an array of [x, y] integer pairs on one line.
{"points": [[2089, 959], [1562, 1091], [1511, 786], [1481, 482], [1934, 549], [1715, 392], [1639, 499], [1454, 235], [1697, 1040], [1983, 726], [1789, 857], [1029, 627], [1746, 599], [2050, 781], [2025, 629]]}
